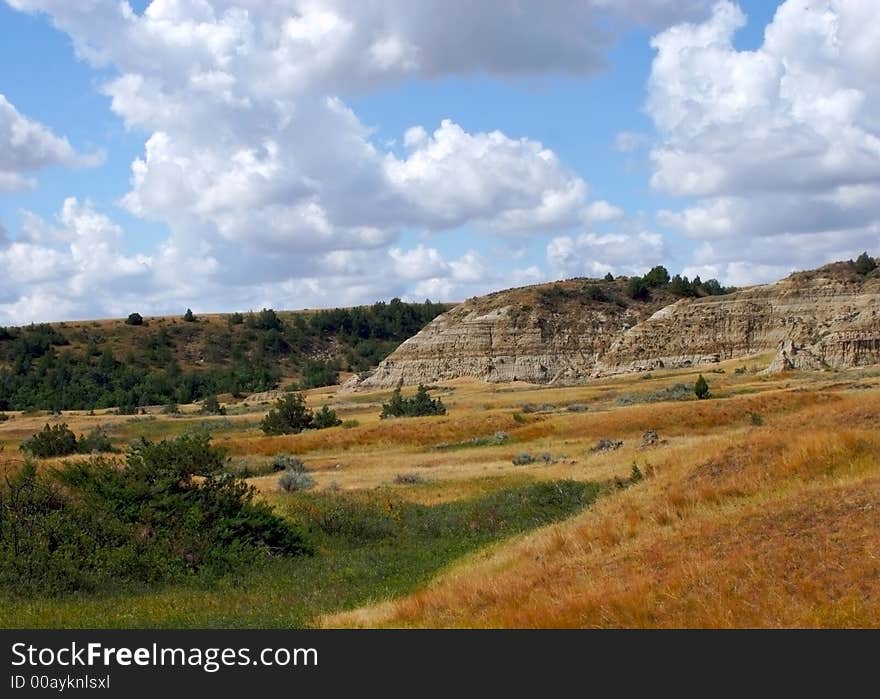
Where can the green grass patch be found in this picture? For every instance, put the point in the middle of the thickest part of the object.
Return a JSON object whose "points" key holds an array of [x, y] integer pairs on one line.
{"points": [[369, 546]]}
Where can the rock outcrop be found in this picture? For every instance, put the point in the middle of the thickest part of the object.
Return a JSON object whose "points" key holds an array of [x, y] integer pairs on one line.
{"points": [[571, 331]]}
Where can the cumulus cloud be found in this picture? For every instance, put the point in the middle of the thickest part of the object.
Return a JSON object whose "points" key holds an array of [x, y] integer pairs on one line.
{"points": [[594, 255], [27, 146], [780, 146], [265, 176], [272, 189], [73, 267]]}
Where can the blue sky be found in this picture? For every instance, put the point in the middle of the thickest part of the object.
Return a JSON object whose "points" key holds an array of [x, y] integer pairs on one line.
{"points": [[281, 172]]}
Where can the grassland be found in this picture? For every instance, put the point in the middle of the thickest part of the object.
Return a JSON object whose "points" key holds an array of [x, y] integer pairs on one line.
{"points": [[759, 507]]}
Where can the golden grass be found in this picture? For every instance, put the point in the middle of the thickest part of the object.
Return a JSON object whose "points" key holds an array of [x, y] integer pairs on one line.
{"points": [[771, 526]]}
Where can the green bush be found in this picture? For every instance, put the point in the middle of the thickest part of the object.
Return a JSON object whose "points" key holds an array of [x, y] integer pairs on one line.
{"points": [[701, 388], [52, 440], [95, 442], [637, 289], [636, 474], [165, 513], [523, 459], [189, 317], [134, 319], [4, 417], [291, 415], [211, 406], [420, 404], [325, 418]]}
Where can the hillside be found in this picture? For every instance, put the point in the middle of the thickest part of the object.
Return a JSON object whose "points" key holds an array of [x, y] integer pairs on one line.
{"points": [[162, 360], [569, 332]]}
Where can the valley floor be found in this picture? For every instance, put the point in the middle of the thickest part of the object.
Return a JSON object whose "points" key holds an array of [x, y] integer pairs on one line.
{"points": [[757, 507]]}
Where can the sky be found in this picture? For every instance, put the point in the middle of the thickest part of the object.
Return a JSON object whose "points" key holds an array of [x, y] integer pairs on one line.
{"points": [[229, 155]]}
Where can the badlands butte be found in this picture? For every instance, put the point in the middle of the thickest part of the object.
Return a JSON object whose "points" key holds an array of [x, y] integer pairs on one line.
{"points": [[572, 331]]}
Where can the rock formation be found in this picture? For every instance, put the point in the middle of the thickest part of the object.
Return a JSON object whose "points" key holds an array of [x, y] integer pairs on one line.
{"points": [[571, 331]]}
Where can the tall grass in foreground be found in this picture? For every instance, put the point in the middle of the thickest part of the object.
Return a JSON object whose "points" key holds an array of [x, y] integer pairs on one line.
{"points": [[369, 546]]}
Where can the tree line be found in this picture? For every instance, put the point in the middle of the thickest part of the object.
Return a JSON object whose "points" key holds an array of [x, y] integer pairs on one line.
{"points": [[55, 368]]}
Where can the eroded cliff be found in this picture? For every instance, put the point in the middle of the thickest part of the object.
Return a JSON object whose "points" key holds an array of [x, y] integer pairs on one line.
{"points": [[571, 331]]}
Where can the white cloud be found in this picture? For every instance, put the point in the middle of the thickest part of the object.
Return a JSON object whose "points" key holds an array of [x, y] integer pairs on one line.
{"points": [[27, 146], [266, 178], [593, 255], [77, 268], [780, 145], [452, 177]]}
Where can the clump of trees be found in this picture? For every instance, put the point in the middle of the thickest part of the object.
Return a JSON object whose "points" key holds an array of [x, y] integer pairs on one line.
{"points": [[59, 440], [291, 415], [51, 368], [165, 513], [317, 373], [864, 264], [639, 288], [416, 406]]}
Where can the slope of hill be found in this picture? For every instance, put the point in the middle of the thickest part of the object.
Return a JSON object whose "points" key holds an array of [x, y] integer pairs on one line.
{"points": [[571, 331], [155, 361]]}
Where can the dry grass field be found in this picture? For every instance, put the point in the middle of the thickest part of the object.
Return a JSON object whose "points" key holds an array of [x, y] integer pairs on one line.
{"points": [[759, 506]]}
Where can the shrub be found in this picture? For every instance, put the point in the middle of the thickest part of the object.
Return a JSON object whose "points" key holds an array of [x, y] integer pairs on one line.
{"points": [[287, 462], [325, 418], [756, 419], [523, 459], [211, 406], [519, 418], [95, 442], [4, 417], [171, 409], [289, 416], [188, 316], [635, 475], [419, 405], [865, 264], [52, 440], [235, 319], [134, 319], [701, 388], [163, 514], [609, 277], [292, 480], [349, 424], [637, 289]]}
